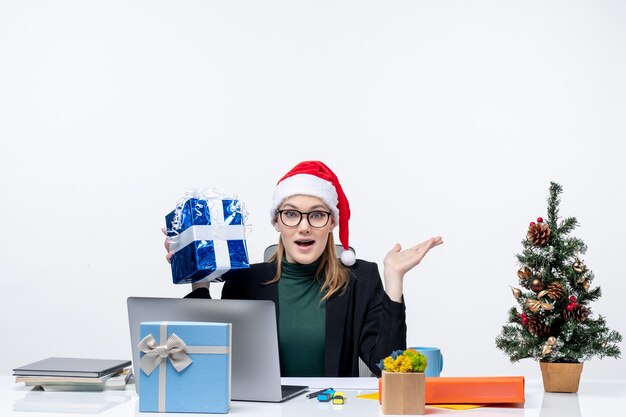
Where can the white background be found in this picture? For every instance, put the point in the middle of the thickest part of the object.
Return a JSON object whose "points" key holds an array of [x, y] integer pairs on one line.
{"points": [[439, 117]]}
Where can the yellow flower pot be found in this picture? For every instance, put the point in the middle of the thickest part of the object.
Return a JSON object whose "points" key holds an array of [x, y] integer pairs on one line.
{"points": [[403, 393]]}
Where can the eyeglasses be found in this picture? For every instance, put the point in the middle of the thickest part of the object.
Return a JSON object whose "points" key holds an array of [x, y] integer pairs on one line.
{"points": [[292, 218]]}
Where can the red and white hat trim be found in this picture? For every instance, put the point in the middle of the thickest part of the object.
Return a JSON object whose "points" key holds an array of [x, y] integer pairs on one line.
{"points": [[306, 184]]}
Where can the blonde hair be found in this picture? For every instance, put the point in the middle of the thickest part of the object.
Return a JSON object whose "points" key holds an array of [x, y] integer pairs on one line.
{"points": [[331, 273]]}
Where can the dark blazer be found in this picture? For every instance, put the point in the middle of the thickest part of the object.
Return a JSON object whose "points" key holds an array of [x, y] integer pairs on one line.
{"points": [[360, 322]]}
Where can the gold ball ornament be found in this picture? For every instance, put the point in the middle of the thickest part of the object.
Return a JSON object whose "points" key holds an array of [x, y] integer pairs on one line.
{"points": [[552, 340], [578, 266], [537, 285]]}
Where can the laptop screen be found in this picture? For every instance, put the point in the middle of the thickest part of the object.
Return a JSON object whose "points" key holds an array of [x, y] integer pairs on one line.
{"points": [[255, 360]]}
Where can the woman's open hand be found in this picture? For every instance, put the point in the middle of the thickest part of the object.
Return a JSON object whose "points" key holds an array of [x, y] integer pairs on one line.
{"points": [[398, 262]]}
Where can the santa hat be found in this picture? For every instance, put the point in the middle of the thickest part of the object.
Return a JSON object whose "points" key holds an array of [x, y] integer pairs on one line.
{"points": [[316, 179]]}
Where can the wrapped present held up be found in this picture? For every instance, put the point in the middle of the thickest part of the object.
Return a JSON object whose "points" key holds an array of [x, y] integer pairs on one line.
{"points": [[207, 234]]}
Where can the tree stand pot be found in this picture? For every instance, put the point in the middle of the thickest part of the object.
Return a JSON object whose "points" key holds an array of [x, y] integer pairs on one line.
{"points": [[403, 393], [560, 377]]}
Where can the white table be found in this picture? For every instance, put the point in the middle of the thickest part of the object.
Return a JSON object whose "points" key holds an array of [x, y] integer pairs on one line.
{"points": [[595, 398]]}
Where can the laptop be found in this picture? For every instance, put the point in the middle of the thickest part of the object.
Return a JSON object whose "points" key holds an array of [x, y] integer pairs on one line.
{"points": [[255, 373]]}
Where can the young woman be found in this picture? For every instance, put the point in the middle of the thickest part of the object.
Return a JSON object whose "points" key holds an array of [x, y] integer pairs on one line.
{"points": [[329, 312]]}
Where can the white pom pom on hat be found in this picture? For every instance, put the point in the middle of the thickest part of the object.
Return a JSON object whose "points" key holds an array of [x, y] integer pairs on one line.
{"points": [[348, 257], [316, 179]]}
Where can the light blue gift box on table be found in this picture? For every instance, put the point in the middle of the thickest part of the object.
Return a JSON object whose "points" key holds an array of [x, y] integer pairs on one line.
{"points": [[185, 367], [207, 235]]}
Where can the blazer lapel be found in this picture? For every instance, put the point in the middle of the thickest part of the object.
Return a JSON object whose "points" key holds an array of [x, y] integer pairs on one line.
{"points": [[264, 291], [336, 312]]}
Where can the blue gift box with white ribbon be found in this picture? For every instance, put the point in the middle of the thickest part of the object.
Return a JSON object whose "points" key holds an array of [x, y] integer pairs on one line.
{"points": [[185, 367], [207, 234]]}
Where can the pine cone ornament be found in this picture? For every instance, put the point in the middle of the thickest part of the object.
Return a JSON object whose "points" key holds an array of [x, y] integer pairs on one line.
{"points": [[539, 233], [537, 326], [553, 291], [579, 313]]}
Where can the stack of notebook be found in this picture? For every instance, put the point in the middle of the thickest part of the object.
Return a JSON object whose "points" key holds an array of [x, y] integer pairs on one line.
{"points": [[75, 374]]}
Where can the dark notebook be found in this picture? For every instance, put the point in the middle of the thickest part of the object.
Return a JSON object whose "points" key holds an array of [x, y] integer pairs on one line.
{"points": [[91, 368]]}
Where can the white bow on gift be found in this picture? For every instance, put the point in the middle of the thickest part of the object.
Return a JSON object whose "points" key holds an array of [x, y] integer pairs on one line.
{"points": [[174, 349]]}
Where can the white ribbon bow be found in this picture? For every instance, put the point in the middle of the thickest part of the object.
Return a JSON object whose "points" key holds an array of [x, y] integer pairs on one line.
{"points": [[174, 348]]}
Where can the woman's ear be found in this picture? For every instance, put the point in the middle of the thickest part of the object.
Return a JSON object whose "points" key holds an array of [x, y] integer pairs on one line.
{"points": [[275, 224]]}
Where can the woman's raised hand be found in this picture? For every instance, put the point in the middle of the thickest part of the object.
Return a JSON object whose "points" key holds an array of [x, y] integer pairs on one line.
{"points": [[398, 262]]}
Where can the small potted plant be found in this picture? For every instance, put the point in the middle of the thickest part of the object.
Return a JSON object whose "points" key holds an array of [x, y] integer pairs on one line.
{"points": [[403, 382]]}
